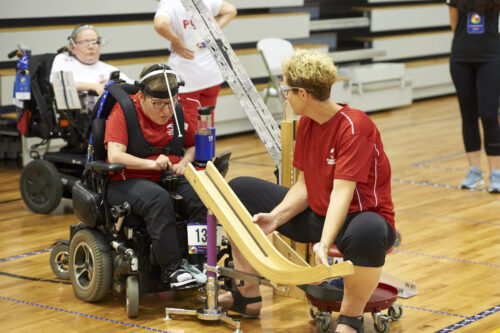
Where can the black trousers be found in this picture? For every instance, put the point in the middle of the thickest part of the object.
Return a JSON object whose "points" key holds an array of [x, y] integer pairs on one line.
{"points": [[478, 92], [364, 238], [156, 206]]}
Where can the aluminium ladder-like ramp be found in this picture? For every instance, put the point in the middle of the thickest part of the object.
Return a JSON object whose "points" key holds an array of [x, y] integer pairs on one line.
{"points": [[247, 236]]}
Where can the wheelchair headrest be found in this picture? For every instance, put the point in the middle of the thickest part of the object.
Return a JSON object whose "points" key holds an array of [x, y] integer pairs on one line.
{"points": [[40, 67], [110, 101]]}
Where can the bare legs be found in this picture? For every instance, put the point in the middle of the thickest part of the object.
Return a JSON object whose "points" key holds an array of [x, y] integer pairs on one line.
{"points": [[248, 289], [474, 158], [357, 291], [494, 162]]}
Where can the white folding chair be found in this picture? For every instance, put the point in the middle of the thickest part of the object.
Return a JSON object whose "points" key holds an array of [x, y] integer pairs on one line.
{"points": [[273, 50]]}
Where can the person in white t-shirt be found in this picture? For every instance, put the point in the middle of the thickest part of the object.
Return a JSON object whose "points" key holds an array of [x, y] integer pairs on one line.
{"points": [[189, 55], [89, 73]]}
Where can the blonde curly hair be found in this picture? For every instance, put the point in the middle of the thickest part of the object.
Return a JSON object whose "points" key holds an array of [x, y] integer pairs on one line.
{"points": [[312, 71]]}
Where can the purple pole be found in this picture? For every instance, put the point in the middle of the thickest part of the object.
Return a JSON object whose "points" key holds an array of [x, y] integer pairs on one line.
{"points": [[211, 242]]}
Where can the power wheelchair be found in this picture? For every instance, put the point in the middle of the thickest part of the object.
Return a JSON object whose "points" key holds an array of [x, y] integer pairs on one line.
{"points": [[50, 176], [111, 247]]}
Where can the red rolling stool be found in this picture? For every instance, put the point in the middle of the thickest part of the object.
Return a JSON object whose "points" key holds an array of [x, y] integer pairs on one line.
{"points": [[327, 297]]}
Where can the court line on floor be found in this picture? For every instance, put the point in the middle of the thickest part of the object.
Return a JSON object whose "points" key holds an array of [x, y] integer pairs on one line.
{"points": [[23, 277], [437, 159], [247, 156], [432, 311], [446, 217], [423, 164], [466, 321], [446, 258], [25, 255], [470, 320], [426, 183], [255, 164], [81, 314], [10, 200]]}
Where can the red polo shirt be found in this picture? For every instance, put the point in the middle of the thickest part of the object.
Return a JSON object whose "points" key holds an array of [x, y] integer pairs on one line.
{"points": [[348, 146], [157, 135]]}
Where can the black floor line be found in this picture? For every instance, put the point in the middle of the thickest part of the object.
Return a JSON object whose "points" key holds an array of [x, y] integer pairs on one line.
{"points": [[16, 276]]}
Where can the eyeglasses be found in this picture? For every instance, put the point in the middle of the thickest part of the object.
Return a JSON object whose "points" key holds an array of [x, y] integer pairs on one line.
{"points": [[161, 105], [85, 43], [285, 89]]}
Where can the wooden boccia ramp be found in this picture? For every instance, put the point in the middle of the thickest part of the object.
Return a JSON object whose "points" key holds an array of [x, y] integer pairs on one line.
{"points": [[247, 236]]}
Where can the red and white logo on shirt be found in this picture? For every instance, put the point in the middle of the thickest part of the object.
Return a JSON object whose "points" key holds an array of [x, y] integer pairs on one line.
{"points": [[170, 129], [331, 160]]}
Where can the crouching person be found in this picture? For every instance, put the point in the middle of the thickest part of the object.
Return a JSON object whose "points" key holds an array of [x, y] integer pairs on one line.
{"points": [[342, 194]]}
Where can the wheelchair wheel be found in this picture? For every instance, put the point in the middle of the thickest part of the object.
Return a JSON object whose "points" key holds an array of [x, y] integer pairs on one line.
{"points": [[59, 261], [41, 186], [132, 296], [90, 268]]}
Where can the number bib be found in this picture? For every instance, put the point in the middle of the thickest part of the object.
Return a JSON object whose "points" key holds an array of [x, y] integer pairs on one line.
{"points": [[197, 237], [22, 87], [475, 23]]}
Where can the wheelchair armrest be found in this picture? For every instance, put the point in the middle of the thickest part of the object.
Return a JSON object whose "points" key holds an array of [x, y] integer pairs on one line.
{"points": [[102, 167]]}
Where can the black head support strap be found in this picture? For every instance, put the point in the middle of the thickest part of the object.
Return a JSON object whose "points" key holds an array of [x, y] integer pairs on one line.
{"points": [[163, 70]]}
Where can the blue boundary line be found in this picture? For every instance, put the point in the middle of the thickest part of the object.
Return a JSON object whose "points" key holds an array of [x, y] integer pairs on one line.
{"points": [[82, 314], [432, 311], [423, 164], [426, 183], [437, 159], [25, 255], [446, 217], [470, 320], [447, 258]]}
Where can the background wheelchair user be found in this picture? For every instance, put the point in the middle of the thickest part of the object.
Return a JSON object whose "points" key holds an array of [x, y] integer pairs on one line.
{"points": [[150, 141], [82, 59]]}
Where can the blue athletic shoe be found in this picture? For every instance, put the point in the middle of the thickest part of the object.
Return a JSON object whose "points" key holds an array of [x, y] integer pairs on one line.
{"points": [[473, 179], [494, 181]]}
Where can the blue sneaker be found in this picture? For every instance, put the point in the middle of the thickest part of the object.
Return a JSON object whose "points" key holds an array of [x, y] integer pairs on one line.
{"points": [[473, 179], [494, 181]]}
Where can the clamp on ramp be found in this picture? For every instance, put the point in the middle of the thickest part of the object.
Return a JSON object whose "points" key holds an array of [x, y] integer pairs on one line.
{"points": [[247, 236]]}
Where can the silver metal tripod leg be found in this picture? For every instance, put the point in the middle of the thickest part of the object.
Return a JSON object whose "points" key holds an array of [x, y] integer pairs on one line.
{"points": [[210, 311]]}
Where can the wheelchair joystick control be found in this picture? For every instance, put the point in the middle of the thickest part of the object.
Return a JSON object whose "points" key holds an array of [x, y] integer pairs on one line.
{"points": [[205, 137], [168, 181]]}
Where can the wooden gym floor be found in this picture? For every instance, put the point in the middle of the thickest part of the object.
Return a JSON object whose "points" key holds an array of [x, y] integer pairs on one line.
{"points": [[450, 245]]}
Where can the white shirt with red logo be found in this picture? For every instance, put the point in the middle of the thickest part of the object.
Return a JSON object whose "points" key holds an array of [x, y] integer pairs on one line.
{"points": [[349, 147], [97, 73], [202, 71]]}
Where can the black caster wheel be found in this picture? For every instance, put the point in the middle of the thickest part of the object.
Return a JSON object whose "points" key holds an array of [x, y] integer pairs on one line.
{"points": [[59, 261]]}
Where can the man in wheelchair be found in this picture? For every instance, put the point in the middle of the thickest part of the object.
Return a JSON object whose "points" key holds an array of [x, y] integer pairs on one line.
{"points": [[150, 141]]}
